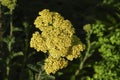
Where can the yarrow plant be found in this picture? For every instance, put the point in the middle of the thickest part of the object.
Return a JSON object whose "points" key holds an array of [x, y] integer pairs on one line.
{"points": [[57, 39], [59, 51]]}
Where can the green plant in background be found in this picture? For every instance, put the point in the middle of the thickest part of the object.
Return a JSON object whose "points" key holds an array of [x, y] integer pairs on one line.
{"points": [[8, 49], [108, 40], [10, 39], [105, 44], [108, 67], [107, 47]]}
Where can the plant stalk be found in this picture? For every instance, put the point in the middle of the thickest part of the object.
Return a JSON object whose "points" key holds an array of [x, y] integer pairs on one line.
{"points": [[9, 47], [86, 54]]}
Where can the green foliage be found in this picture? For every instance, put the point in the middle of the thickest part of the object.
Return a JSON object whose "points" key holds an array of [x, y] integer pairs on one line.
{"points": [[108, 67], [108, 40], [105, 43]]}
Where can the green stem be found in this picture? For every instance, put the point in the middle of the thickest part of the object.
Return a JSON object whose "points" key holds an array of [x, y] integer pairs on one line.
{"points": [[40, 72], [7, 69], [86, 54], [9, 47], [39, 75], [11, 25], [7, 60], [11, 32]]}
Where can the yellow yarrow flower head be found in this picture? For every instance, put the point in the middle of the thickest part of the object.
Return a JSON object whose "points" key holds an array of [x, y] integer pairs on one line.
{"points": [[54, 64], [75, 52], [75, 49], [57, 38], [36, 41]]}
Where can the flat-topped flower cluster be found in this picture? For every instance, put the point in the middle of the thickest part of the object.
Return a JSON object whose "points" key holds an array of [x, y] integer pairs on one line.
{"points": [[57, 39]]}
